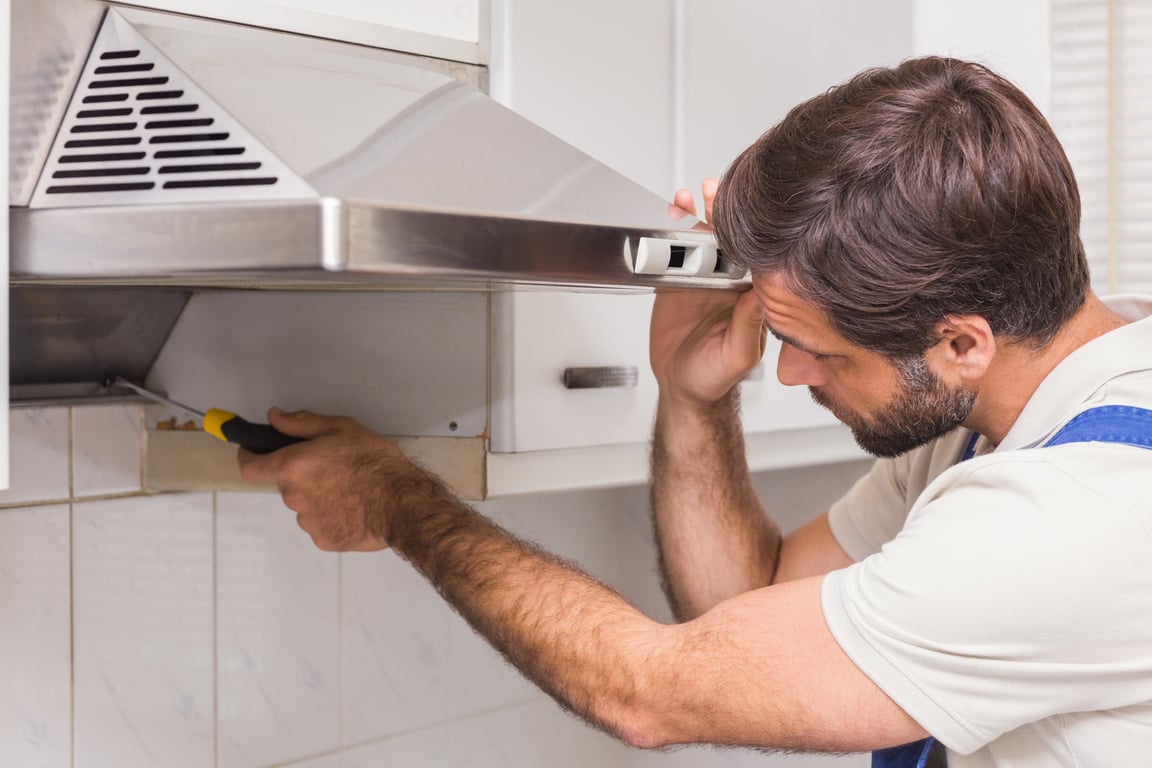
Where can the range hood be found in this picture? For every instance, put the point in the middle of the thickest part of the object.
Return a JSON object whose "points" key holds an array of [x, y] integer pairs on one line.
{"points": [[158, 158], [179, 152]]}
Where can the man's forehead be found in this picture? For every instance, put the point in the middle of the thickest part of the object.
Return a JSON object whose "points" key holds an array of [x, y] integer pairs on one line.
{"points": [[789, 315], [777, 298]]}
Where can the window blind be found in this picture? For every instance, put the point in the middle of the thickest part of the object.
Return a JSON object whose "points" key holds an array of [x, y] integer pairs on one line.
{"points": [[1102, 112]]}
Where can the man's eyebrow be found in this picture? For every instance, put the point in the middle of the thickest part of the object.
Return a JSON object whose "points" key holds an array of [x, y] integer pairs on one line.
{"points": [[793, 343]]}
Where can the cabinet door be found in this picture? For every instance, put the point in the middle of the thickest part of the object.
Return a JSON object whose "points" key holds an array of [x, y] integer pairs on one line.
{"points": [[747, 63], [537, 337], [598, 75]]}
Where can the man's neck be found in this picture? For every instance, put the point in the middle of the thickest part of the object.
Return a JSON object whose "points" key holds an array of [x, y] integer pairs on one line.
{"points": [[1018, 369]]}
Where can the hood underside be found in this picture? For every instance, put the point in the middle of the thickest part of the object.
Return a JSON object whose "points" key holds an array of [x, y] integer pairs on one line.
{"points": [[198, 153]]}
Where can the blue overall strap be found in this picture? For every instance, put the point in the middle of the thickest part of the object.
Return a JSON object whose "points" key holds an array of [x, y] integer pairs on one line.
{"points": [[1123, 424], [914, 755]]}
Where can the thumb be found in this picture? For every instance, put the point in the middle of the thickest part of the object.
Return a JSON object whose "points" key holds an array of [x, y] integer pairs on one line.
{"points": [[708, 191], [748, 322], [303, 424], [749, 312]]}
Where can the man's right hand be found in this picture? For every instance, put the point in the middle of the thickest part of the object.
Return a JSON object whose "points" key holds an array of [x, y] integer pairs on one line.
{"points": [[703, 342]]}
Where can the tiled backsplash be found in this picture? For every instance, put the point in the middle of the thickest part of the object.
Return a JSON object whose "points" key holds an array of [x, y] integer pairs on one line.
{"points": [[205, 630]]}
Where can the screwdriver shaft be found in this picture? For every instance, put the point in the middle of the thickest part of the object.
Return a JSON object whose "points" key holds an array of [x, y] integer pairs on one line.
{"points": [[122, 382]]}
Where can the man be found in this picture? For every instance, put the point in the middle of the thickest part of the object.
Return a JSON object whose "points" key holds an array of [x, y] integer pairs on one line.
{"points": [[913, 242]]}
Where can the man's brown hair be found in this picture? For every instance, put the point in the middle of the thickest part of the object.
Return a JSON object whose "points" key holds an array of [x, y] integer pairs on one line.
{"points": [[904, 195]]}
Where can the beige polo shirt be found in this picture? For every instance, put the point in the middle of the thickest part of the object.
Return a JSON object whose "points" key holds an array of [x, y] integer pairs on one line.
{"points": [[1005, 602]]}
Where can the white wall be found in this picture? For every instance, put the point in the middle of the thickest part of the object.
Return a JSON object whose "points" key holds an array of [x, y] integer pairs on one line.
{"points": [[205, 630], [1013, 38]]}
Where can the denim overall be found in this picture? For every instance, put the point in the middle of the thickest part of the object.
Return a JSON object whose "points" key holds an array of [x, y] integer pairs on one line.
{"points": [[1122, 424]]}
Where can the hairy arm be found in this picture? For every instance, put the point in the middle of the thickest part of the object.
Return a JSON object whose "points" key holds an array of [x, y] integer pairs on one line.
{"points": [[715, 539], [760, 669]]}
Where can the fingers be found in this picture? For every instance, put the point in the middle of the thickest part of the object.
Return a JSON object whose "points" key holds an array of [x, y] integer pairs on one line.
{"points": [[306, 424], [684, 201], [749, 334], [261, 468], [340, 481], [708, 191]]}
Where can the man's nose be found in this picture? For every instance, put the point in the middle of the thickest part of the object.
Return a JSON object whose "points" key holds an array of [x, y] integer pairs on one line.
{"points": [[797, 368]]}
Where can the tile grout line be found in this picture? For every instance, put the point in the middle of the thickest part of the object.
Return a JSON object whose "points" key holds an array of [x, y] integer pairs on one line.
{"points": [[143, 432], [340, 651], [215, 635], [71, 598], [340, 751], [72, 627], [71, 457]]}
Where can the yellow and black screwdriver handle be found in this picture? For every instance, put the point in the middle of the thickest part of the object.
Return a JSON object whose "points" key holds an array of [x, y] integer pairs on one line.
{"points": [[258, 438]]}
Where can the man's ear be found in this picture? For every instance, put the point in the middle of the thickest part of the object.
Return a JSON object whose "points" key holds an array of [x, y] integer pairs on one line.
{"points": [[964, 350]]}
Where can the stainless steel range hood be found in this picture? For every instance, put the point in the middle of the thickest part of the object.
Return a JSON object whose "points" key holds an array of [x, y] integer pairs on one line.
{"points": [[187, 152], [155, 156]]}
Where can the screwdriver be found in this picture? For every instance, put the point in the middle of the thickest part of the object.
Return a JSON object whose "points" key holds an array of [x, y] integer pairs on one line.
{"points": [[258, 438]]}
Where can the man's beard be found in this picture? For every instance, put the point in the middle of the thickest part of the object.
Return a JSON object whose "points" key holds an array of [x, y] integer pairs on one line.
{"points": [[922, 410]]}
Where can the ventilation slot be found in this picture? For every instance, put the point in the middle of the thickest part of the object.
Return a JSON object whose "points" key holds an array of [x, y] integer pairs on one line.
{"points": [[122, 142], [169, 110], [89, 188], [155, 95], [100, 172], [104, 113], [123, 69], [105, 98], [138, 125], [166, 154]]}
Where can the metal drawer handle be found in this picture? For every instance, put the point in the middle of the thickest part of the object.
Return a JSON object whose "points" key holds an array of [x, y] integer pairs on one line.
{"points": [[602, 377]]}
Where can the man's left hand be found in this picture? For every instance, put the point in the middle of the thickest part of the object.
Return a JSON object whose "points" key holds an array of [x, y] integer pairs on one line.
{"points": [[345, 482]]}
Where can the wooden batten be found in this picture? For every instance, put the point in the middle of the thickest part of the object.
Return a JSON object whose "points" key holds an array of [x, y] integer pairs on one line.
{"points": [[185, 460]]}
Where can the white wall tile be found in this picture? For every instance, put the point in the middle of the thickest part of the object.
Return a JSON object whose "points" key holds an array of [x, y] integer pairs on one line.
{"points": [[726, 757], [520, 736], [39, 455], [409, 659], [35, 642], [279, 651], [106, 449], [607, 532], [330, 761], [143, 632]]}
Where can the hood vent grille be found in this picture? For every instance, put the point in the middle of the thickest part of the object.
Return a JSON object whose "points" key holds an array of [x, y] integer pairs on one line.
{"points": [[139, 131]]}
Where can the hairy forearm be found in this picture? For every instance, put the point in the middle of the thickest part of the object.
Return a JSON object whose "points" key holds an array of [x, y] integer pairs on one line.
{"points": [[578, 640], [715, 540]]}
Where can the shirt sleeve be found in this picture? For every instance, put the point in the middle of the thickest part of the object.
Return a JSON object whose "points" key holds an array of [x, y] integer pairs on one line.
{"points": [[873, 510], [985, 612]]}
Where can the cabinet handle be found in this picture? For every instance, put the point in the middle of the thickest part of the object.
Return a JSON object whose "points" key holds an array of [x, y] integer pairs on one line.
{"points": [[601, 378]]}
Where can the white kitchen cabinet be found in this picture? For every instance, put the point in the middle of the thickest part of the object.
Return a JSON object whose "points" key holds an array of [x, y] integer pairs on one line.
{"points": [[747, 62], [668, 94], [444, 29], [596, 74], [540, 334]]}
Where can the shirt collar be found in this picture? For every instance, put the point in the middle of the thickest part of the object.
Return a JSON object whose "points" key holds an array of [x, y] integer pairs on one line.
{"points": [[1076, 378]]}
